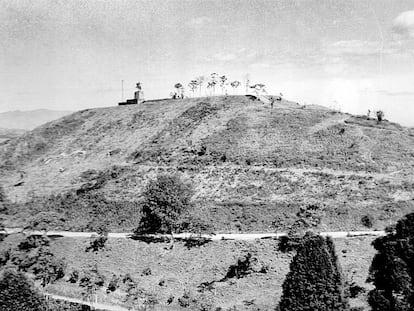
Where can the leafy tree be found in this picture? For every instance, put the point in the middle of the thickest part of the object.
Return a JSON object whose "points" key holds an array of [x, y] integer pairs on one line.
{"points": [[193, 86], [315, 281], [259, 89], [235, 84], [223, 80], [211, 85], [17, 293], [165, 199], [213, 81], [34, 255], [392, 269], [200, 81]]}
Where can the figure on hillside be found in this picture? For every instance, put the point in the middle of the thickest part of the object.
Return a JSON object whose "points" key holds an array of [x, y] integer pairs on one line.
{"points": [[139, 94], [369, 114], [380, 115]]}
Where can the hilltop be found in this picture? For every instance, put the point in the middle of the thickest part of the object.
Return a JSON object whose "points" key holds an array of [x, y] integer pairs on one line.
{"points": [[253, 168], [28, 120]]}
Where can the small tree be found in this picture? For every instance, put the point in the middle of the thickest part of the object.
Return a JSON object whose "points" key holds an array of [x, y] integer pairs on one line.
{"points": [[315, 280], [259, 89], [235, 84], [17, 293], [210, 85], [200, 81], [213, 81], [392, 270], [193, 86], [165, 199], [223, 80]]}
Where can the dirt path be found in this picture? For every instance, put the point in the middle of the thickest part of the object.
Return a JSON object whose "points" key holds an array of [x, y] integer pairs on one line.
{"points": [[213, 237], [94, 306]]}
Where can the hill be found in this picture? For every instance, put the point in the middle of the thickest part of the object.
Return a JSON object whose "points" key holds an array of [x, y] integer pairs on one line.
{"points": [[28, 120], [253, 168], [6, 134]]}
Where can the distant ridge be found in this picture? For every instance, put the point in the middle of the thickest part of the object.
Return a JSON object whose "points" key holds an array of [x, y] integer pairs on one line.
{"points": [[30, 119]]}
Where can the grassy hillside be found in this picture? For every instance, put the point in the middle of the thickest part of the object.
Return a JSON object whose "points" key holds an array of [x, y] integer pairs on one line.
{"points": [[164, 271], [7, 134], [253, 168]]}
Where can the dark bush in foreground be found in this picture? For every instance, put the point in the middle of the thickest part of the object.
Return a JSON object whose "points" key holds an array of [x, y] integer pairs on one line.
{"points": [[367, 221], [315, 280], [392, 269], [17, 293], [165, 199], [33, 255]]}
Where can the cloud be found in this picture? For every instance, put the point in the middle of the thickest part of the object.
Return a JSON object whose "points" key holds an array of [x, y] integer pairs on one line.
{"points": [[355, 48], [239, 55], [224, 57], [396, 93], [260, 65], [198, 21], [404, 24]]}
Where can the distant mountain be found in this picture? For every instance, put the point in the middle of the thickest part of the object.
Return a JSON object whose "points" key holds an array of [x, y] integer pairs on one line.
{"points": [[28, 120]]}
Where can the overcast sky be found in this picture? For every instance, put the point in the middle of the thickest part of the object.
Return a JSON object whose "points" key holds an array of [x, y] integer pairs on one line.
{"points": [[70, 55]]}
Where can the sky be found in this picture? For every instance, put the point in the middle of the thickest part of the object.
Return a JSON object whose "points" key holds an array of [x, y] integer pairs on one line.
{"points": [[73, 54]]}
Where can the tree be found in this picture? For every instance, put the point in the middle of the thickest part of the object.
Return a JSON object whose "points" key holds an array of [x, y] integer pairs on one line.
{"points": [[210, 85], [165, 199], [315, 280], [392, 270], [223, 80], [17, 293], [193, 86], [200, 81], [213, 81], [235, 84], [259, 88]]}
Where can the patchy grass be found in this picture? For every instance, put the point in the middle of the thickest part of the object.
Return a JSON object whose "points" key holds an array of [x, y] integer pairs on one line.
{"points": [[202, 271]]}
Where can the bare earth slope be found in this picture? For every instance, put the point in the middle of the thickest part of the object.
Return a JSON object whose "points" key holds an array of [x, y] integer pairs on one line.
{"points": [[249, 164]]}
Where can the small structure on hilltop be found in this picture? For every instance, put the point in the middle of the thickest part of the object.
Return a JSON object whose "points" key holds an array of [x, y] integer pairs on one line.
{"points": [[138, 97], [179, 93]]}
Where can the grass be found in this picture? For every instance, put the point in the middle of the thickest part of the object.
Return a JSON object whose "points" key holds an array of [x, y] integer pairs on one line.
{"points": [[181, 270]]}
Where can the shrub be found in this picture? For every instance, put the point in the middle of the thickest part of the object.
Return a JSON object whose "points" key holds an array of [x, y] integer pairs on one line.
{"points": [[91, 280], [45, 221], [33, 255], [367, 221], [165, 199], [17, 293], [315, 280], [4, 202], [242, 268], [391, 269], [73, 276], [97, 243], [288, 243], [113, 284]]}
